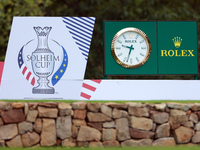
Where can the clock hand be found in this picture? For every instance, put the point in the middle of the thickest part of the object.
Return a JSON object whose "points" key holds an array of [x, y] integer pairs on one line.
{"points": [[126, 46], [131, 48]]}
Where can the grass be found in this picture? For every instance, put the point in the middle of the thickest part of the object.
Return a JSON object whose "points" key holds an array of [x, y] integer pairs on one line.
{"points": [[103, 101]]}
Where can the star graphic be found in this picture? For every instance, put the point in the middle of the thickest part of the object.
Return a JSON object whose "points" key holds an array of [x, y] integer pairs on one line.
{"points": [[56, 76], [61, 71], [64, 65]]}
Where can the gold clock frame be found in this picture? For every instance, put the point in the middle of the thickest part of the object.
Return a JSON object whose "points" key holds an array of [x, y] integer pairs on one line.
{"points": [[131, 29]]}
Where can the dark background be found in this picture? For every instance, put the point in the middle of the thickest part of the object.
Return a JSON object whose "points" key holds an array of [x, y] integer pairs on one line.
{"points": [[141, 10]]}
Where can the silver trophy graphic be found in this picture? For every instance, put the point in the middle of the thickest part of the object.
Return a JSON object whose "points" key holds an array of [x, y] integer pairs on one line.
{"points": [[43, 62]]}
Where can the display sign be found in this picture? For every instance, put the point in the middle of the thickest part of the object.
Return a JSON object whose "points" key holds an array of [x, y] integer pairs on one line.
{"points": [[159, 47], [45, 55], [140, 90], [111, 28], [177, 47]]}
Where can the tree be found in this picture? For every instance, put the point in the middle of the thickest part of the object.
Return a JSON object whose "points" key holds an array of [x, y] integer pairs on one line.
{"points": [[102, 10]]}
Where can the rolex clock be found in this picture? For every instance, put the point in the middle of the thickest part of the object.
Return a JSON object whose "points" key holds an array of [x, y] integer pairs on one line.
{"points": [[130, 47]]}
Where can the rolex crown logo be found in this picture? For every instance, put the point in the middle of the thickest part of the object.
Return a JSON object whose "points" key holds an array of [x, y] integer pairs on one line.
{"points": [[177, 42]]}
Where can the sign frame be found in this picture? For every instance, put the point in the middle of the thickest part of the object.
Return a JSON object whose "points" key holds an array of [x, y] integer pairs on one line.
{"points": [[105, 49]]}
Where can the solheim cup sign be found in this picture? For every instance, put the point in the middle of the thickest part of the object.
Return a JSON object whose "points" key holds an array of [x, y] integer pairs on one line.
{"points": [[46, 57], [42, 60]]}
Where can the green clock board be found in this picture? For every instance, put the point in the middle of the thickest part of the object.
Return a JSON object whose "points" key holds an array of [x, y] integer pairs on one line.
{"points": [[150, 47]]}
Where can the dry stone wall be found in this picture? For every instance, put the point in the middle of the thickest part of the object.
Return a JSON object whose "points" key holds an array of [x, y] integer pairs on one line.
{"points": [[98, 124]]}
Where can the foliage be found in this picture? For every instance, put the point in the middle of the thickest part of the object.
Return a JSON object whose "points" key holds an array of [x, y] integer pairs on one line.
{"points": [[102, 10]]}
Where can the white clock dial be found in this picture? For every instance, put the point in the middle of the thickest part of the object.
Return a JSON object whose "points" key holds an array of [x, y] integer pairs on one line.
{"points": [[130, 47]]}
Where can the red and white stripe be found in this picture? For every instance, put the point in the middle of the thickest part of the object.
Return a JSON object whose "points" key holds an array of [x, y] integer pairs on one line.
{"points": [[29, 76], [88, 88]]}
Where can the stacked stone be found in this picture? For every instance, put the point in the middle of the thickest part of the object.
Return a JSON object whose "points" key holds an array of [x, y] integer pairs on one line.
{"points": [[98, 124], [34, 124]]}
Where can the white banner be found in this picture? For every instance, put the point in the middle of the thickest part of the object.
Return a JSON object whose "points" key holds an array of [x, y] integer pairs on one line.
{"points": [[46, 57], [140, 90]]}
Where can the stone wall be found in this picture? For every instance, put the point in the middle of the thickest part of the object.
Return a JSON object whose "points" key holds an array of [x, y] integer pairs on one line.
{"points": [[98, 125]]}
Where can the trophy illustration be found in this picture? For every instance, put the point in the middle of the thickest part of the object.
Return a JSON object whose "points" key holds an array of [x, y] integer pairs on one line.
{"points": [[42, 60]]}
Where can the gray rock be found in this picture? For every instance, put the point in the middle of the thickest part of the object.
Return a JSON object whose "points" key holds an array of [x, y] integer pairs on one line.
{"points": [[178, 119], [160, 107], [159, 117], [195, 107], [95, 144], [189, 124], [38, 125], [93, 107], [117, 113], [117, 105], [110, 124], [122, 127], [141, 123], [17, 105], [15, 142], [8, 131], [196, 138], [141, 134], [2, 143], [78, 122], [106, 110], [169, 141], [111, 144], [175, 112], [183, 135], [32, 115], [194, 118], [1, 122], [25, 127], [30, 139], [163, 130], [136, 143], [63, 126], [68, 143], [64, 109], [79, 105], [109, 135], [179, 106], [48, 135], [5, 105], [98, 117], [138, 111], [87, 134], [45, 112]]}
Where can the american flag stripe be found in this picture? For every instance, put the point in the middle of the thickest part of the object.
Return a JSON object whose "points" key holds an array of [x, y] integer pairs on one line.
{"points": [[97, 81], [88, 88], [85, 95], [28, 75], [25, 71]]}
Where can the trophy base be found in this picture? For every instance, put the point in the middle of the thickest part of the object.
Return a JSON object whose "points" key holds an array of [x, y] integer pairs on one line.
{"points": [[43, 91]]}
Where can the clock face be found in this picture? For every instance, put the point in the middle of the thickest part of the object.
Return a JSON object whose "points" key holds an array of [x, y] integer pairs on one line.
{"points": [[130, 48]]}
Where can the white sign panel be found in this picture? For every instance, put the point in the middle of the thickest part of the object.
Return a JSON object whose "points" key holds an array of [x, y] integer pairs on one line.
{"points": [[140, 90], [46, 57]]}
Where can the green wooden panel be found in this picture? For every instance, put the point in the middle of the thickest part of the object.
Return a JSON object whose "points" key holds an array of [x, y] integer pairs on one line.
{"points": [[173, 59]]}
